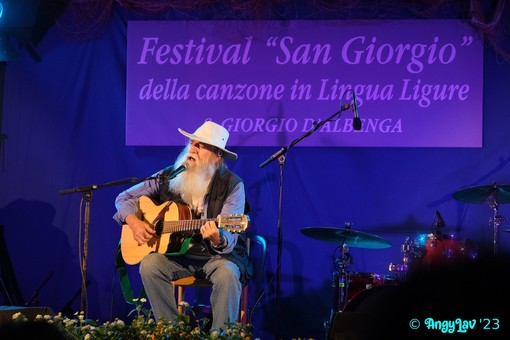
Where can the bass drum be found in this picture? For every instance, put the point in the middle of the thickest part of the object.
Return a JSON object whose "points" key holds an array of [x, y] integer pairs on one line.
{"points": [[370, 300], [368, 315]]}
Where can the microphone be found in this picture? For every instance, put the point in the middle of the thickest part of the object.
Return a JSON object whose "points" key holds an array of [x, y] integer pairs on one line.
{"points": [[184, 166], [439, 219], [356, 123], [439, 223]]}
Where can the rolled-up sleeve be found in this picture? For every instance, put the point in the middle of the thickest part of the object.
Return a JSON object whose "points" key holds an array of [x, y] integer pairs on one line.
{"points": [[233, 205], [127, 201]]}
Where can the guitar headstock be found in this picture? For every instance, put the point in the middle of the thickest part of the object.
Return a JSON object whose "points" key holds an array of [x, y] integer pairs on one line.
{"points": [[234, 223]]}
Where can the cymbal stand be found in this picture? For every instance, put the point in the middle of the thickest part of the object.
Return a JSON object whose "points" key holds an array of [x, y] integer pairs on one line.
{"points": [[340, 283], [496, 221], [341, 278], [406, 250]]}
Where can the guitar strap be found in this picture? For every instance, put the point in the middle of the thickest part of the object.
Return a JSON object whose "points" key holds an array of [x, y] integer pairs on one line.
{"points": [[125, 284]]}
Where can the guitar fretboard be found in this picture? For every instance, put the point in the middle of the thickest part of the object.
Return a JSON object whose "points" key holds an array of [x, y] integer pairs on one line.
{"points": [[184, 225]]}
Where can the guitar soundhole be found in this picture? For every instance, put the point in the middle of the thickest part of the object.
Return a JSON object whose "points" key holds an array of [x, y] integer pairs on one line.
{"points": [[159, 228]]}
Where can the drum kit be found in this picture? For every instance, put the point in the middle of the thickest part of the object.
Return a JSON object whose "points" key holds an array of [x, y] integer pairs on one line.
{"points": [[346, 283], [422, 252]]}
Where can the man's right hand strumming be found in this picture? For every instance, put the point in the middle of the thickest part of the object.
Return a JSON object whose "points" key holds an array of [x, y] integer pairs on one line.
{"points": [[142, 232]]}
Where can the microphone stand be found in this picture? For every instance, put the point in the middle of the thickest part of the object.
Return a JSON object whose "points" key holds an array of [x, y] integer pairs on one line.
{"points": [[87, 197], [34, 299], [280, 155]]}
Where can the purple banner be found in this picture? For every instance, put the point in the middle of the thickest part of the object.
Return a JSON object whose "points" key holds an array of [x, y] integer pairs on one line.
{"points": [[418, 83]]}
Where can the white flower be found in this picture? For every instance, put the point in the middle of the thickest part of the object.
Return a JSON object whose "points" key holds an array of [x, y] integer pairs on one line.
{"points": [[184, 304], [70, 322]]}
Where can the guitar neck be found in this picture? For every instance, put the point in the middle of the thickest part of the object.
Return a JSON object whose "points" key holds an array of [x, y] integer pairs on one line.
{"points": [[184, 225]]}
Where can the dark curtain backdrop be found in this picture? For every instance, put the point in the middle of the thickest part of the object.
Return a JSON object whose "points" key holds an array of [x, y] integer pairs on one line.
{"points": [[64, 119]]}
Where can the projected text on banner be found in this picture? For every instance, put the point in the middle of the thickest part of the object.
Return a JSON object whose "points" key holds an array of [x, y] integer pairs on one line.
{"points": [[417, 83]]}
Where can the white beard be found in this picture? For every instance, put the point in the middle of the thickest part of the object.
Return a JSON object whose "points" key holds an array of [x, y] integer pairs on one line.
{"points": [[192, 184]]}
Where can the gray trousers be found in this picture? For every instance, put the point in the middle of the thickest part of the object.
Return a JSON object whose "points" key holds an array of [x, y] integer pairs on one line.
{"points": [[158, 271]]}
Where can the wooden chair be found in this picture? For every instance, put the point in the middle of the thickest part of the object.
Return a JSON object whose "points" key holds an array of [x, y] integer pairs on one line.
{"points": [[258, 263]]}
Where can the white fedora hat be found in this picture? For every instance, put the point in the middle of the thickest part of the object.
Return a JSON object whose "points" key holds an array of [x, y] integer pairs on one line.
{"points": [[212, 134]]}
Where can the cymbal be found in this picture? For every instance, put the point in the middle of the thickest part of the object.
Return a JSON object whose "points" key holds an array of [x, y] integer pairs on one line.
{"points": [[484, 193], [356, 239]]}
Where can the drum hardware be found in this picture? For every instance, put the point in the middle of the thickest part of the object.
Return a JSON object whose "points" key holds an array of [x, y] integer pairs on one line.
{"points": [[340, 281], [493, 195], [413, 251], [341, 277], [344, 238], [438, 236], [440, 248], [409, 251]]}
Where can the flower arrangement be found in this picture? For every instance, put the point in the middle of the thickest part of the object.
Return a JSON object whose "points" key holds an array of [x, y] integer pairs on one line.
{"points": [[143, 326]]}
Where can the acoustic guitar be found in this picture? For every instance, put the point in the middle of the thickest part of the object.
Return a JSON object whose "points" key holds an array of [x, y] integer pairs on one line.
{"points": [[174, 228]]}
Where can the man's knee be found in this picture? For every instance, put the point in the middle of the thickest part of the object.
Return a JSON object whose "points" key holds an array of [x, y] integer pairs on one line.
{"points": [[150, 263], [226, 273]]}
